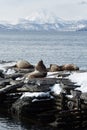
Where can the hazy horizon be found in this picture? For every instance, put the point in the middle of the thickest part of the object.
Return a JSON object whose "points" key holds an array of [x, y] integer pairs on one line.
{"points": [[12, 10]]}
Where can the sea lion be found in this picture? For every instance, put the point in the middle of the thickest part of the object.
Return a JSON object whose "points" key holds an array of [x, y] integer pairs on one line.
{"points": [[22, 64], [40, 71], [41, 67], [69, 67], [54, 68]]}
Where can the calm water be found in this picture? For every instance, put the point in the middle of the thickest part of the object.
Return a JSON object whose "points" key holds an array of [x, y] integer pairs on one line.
{"points": [[59, 48]]}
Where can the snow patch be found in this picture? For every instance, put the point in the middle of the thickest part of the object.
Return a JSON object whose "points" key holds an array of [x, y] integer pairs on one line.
{"points": [[80, 79], [56, 89], [52, 74], [10, 71], [35, 94], [4, 65]]}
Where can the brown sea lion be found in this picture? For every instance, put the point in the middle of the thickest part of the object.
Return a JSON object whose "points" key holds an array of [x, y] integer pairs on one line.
{"points": [[40, 71], [41, 67], [69, 67], [22, 64], [54, 68]]}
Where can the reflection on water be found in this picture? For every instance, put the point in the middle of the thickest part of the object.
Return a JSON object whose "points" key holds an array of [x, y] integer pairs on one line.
{"points": [[9, 123]]}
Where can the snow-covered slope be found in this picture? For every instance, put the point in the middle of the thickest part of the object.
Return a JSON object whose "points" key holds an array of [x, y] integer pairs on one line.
{"points": [[43, 21]]}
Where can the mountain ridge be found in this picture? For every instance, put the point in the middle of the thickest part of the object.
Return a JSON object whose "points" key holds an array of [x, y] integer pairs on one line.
{"points": [[44, 22]]}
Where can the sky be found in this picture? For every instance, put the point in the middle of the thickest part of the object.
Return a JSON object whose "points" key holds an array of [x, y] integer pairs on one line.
{"points": [[12, 10]]}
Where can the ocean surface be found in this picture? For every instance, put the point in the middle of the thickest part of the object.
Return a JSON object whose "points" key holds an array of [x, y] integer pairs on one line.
{"points": [[52, 47]]}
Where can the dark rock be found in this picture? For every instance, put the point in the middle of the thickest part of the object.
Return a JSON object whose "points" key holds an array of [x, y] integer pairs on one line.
{"points": [[24, 71], [42, 81], [1, 74], [76, 93], [10, 88], [63, 75], [28, 106], [34, 88], [38, 85], [67, 85], [5, 82]]}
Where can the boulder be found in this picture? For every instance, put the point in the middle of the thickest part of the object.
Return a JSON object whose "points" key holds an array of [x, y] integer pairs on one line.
{"points": [[1, 74]]}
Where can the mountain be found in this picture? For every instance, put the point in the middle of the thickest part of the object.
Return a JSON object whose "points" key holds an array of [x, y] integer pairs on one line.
{"points": [[43, 21]]}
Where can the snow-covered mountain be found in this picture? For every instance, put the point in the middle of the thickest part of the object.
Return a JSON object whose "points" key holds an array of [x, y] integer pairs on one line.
{"points": [[44, 22]]}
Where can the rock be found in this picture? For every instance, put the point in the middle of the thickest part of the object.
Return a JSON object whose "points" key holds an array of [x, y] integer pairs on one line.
{"points": [[14, 76], [69, 67], [9, 88], [38, 85], [1, 74], [22, 64], [5, 82], [18, 70], [28, 105], [54, 67], [76, 93]]}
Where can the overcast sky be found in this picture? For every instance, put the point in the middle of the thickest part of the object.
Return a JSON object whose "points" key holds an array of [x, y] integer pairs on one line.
{"points": [[11, 10]]}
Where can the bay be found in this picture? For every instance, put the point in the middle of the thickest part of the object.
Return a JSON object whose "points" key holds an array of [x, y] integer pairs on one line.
{"points": [[52, 47]]}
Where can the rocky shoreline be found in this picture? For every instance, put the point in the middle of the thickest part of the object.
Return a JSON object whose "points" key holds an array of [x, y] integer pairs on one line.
{"points": [[47, 95]]}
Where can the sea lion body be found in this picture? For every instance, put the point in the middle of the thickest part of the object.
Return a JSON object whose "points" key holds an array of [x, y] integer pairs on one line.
{"points": [[40, 71], [69, 67], [54, 68], [22, 64], [36, 74]]}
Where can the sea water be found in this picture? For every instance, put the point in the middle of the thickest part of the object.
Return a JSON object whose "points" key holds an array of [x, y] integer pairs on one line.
{"points": [[52, 47]]}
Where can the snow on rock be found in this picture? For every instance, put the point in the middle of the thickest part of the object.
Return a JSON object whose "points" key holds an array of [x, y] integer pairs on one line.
{"points": [[35, 94], [52, 74], [5, 65], [79, 78], [10, 71], [56, 89], [44, 20], [43, 17]]}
